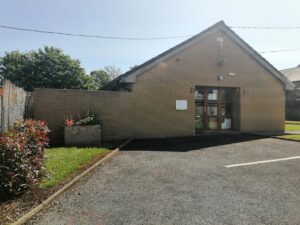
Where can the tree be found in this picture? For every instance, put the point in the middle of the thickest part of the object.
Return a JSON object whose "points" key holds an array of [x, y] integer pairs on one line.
{"points": [[45, 68], [89, 83], [100, 78], [113, 71]]}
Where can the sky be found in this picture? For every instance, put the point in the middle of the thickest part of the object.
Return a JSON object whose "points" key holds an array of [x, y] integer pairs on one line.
{"points": [[145, 18]]}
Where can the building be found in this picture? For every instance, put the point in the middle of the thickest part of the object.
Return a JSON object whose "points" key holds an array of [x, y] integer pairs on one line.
{"points": [[212, 82], [293, 97]]}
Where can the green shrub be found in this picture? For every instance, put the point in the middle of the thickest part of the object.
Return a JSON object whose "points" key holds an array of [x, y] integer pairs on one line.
{"points": [[21, 156]]}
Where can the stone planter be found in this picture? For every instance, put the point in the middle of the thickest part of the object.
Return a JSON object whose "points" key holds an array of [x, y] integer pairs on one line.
{"points": [[89, 135]]}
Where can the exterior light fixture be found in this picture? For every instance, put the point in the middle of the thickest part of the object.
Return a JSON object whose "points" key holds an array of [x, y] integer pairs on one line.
{"points": [[220, 77]]}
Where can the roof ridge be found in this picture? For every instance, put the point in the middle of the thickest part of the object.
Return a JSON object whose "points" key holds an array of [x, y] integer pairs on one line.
{"points": [[127, 73], [217, 26]]}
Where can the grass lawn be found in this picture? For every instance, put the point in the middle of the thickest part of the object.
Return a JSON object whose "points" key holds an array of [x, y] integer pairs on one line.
{"points": [[295, 137], [292, 122], [62, 162], [292, 125]]}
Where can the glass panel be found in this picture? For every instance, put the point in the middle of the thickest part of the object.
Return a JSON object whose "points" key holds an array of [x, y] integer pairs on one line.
{"points": [[199, 94], [227, 95], [223, 110], [216, 113], [212, 94], [226, 110], [199, 125], [212, 110], [226, 123], [199, 110], [212, 123]]}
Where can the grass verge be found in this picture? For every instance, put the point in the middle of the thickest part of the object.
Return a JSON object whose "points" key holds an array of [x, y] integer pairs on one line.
{"points": [[292, 122], [62, 162], [62, 165], [292, 127], [294, 137]]}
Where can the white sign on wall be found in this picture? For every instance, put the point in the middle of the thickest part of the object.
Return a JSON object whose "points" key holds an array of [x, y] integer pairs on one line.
{"points": [[181, 104]]}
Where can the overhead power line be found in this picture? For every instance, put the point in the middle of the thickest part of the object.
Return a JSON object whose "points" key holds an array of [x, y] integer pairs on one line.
{"points": [[282, 50], [133, 38], [93, 36], [147, 38]]}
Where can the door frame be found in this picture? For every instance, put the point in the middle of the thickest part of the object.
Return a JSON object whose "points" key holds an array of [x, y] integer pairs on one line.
{"points": [[219, 105]]}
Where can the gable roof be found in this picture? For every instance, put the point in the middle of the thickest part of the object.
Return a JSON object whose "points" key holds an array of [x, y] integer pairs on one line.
{"points": [[130, 76], [293, 74]]}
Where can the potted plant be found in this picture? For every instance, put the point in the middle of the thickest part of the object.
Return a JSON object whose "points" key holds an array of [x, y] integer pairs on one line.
{"points": [[82, 131]]}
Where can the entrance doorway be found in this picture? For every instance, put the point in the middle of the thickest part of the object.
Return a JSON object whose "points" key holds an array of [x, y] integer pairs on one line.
{"points": [[213, 108]]}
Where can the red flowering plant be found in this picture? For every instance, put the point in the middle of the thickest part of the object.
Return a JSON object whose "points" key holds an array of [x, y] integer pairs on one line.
{"points": [[69, 122], [21, 156], [88, 119]]}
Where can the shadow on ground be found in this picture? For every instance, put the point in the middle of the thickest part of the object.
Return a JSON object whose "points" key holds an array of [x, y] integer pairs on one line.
{"points": [[184, 144]]}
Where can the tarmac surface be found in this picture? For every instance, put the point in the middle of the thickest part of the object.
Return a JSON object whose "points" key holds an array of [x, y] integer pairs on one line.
{"points": [[186, 181]]}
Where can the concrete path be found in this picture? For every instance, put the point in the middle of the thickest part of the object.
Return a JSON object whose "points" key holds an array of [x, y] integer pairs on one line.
{"points": [[188, 187], [293, 132]]}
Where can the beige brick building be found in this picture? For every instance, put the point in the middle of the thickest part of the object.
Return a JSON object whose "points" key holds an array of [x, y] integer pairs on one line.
{"points": [[214, 81]]}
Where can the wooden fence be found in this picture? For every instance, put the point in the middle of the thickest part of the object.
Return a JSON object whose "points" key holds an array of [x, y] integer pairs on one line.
{"points": [[14, 104]]}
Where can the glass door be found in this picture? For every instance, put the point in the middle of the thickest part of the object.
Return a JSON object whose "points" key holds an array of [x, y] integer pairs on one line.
{"points": [[213, 108], [226, 115], [199, 109]]}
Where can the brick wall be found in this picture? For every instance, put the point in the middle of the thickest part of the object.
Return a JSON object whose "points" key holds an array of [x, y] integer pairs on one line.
{"points": [[260, 102], [149, 109], [113, 110]]}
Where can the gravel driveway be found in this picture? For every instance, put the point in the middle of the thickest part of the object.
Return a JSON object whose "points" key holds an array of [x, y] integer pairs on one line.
{"points": [[188, 186]]}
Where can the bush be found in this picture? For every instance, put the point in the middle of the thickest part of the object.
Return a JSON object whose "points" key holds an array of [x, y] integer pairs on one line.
{"points": [[21, 156]]}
